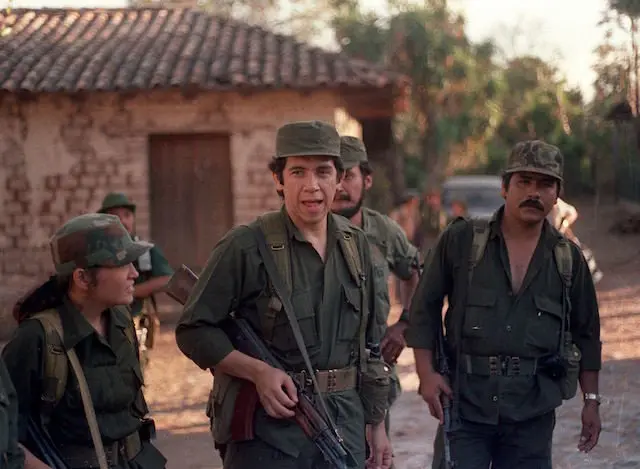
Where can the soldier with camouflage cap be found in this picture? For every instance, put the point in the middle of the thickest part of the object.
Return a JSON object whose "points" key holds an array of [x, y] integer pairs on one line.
{"points": [[83, 307], [308, 244], [154, 273], [507, 299], [392, 251]]}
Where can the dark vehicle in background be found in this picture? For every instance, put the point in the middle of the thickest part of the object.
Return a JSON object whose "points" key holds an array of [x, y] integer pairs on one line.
{"points": [[479, 194]]}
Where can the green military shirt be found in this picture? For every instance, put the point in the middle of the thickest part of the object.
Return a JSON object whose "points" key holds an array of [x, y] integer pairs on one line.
{"points": [[328, 306], [498, 322], [391, 250], [111, 368], [155, 265], [11, 455]]}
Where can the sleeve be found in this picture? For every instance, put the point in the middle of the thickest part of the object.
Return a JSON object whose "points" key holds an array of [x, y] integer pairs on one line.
{"points": [[15, 455], [159, 264], [436, 282], [584, 315], [23, 357], [403, 256], [217, 293]]}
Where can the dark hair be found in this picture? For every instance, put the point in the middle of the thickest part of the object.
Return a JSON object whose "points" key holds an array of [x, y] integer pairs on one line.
{"points": [[276, 165], [366, 169], [64, 281]]}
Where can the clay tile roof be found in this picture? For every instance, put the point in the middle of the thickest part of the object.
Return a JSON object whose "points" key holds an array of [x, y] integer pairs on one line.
{"points": [[68, 50]]}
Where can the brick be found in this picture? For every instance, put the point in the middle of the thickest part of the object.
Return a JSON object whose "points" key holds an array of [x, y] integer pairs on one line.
{"points": [[88, 180], [68, 183], [82, 195], [18, 184], [14, 208], [22, 220]]}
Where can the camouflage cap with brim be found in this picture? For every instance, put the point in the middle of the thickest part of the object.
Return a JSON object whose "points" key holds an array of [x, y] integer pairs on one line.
{"points": [[536, 156], [94, 240], [116, 200], [307, 138], [353, 151]]}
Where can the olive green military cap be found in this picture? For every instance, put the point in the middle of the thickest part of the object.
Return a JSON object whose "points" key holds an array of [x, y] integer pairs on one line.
{"points": [[536, 156], [353, 151], [307, 138], [94, 240], [116, 200]]}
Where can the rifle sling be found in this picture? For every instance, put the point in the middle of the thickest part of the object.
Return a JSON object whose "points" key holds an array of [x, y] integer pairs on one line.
{"points": [[277, 283]]}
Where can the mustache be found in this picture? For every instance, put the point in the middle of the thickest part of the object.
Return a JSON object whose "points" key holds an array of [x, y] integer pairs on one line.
{"points": [[343, 197], [533, 204]]}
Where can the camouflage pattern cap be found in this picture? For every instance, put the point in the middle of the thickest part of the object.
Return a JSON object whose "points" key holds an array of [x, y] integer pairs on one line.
{"points": [[353, 151], [94, 240], [307, 138], [115, 200], [536, 156]]}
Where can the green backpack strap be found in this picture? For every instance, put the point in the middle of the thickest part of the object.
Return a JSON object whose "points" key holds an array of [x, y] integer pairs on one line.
{"points": [[56, 366], [275, 232], [564, 261], [481, 231]]}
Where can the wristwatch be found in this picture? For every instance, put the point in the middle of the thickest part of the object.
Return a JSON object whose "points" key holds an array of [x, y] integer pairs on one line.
{"points": [[589, 396]]}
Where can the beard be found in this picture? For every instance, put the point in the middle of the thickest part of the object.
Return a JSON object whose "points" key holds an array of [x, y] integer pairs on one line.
{"points": [[350, 212]]}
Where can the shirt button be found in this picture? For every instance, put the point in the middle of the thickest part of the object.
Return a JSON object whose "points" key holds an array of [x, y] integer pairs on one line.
{"points": [[508, 328], [495, 398]]}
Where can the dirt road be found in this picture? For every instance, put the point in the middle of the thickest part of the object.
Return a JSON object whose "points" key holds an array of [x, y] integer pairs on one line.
{"points": [[177, 390]]}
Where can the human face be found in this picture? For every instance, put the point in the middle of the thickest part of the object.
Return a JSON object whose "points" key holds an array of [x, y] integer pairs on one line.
{"points": [[111, 286], [530, 196], [125, 215], [350, 194], [309, 186]]}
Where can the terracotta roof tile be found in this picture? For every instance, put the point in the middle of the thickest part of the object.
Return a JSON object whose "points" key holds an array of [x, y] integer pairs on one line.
{"points": [[126, 49]]}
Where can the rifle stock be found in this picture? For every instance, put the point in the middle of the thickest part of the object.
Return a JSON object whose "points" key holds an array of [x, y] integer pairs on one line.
{"points": [[245, 340]]}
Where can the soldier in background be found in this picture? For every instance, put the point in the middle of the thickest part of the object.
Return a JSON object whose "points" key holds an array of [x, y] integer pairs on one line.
{"points": [[392, 251], [154, 270]]}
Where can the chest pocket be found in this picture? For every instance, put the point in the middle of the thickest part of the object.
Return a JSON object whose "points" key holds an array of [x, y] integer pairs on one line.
{"points": [[282, 337], [4, 423], [479, 313], [544, 324]]}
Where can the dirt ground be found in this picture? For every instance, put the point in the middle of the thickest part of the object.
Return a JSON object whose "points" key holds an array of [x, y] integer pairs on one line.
{"points": [[177, 390]]}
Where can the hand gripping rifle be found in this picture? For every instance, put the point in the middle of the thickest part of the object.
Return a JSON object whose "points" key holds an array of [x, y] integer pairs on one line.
{"points": [[307, 417]]}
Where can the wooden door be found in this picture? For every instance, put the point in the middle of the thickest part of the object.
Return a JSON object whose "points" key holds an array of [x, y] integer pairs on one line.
{"points": [[191, 202]]}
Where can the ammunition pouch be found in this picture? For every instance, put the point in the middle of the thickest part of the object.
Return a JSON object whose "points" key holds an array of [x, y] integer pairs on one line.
{"points": [[375, 383], [569, 384], [147, 430], [224, 399], [117, 453]]}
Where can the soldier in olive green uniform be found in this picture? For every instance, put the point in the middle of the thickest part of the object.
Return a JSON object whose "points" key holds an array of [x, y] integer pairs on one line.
{"points": [[327, 302], [392, 251], [154, 270], [11, 454], [511, 367], [93, 256]]}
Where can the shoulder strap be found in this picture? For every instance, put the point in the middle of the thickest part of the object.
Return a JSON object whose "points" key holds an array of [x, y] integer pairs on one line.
{"points": [[349, 247], [478, 244], [278, 286], [54, 362], [564, 261], [275, 233], [54, 320]]}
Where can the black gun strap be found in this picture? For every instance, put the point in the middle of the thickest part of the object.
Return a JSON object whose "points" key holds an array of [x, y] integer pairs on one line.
{"points": [[277, 283]]}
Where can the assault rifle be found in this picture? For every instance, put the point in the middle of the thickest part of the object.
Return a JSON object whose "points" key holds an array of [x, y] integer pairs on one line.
{"points": [[42, 447], [442, 365], [245, 340]]}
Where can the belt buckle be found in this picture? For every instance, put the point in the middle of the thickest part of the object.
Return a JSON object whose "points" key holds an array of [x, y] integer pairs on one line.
{"points": [[493, 365], [332, 380], [307, 382]]}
